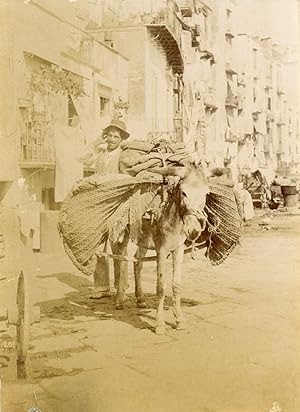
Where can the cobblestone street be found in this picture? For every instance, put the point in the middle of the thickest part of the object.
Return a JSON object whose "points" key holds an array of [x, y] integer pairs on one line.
{"points": [[240, 352]]}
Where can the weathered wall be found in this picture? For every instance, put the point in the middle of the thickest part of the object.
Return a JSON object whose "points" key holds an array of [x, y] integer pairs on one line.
{"points": [[45, 29], [8, 127], [130, 41], [158, 89]]}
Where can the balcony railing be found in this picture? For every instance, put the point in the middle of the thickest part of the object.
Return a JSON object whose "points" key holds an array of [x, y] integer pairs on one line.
{"points": [[37, 143], [166, 29]]}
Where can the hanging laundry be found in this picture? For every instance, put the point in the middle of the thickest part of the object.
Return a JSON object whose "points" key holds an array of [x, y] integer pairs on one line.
{"points": [[24, 208], [69, 169], [90, 127], [36, 209]]}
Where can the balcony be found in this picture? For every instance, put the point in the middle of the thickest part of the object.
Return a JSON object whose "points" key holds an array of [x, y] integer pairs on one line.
{"points": [[231, 102], [280, 92], [205, 48], [268, 82], [37, 144], [241, 80], [210, 101], [229, 68], [229, 33], [166, 29], [187, 8]]}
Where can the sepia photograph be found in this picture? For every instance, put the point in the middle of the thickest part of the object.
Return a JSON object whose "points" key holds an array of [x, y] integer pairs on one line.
{"points": [[149, 205]]}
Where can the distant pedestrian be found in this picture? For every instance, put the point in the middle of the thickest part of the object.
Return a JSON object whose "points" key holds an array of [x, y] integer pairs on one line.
{"points": [[246, 199]]}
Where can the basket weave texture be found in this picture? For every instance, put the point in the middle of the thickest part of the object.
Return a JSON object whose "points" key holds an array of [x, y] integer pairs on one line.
{"points": [[102, 210], [224, 211]]}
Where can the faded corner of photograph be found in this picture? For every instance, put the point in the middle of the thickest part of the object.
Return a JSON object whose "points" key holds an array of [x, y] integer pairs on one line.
{"points": [[149, 205]]}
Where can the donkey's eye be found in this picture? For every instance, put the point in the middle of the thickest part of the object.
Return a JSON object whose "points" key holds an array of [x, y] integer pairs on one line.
{"points": [[184, 194]]}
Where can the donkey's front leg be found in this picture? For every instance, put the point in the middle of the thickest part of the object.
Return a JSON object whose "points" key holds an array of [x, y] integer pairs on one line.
{"points": [[178, 255], [138, 266], [160, 327]]}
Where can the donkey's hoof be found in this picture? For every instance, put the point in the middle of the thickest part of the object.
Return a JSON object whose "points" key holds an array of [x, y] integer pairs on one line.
{"points": [[181, 325], [160, 330], [141, 304], [119, 305]]}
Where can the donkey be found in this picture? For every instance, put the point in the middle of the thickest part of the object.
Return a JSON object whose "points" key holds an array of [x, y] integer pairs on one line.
{"points": [[181, 217]]}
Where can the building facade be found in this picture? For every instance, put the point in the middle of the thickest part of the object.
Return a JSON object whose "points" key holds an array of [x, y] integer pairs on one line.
{"points": [[182, 70], [65, 86]]}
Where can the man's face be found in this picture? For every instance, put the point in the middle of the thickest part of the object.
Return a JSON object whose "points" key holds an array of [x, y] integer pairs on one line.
{"points": [[113, 139]]}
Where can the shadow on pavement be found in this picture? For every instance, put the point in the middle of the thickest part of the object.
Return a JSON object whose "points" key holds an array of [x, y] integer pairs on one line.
{"points": [[77, 303]]}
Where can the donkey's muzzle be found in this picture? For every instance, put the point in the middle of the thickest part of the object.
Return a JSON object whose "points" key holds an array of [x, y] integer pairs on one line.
{"points": [[193, 226]]}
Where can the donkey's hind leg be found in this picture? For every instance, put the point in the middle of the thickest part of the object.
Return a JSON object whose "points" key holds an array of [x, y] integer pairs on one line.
{"points": [[137, 267], [178, 255]]}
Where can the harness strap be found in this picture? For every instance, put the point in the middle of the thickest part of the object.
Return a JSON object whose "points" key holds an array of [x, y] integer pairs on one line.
{"points": [[147, 258]]}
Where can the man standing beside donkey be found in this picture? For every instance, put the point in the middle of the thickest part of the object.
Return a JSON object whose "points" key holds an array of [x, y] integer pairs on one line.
{"points": [[104, 155]]}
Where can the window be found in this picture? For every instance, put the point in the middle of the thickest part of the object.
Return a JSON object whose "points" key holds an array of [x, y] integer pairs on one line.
{"points": [[269, 103], [279, 134], [254, 58], [104, 106]]}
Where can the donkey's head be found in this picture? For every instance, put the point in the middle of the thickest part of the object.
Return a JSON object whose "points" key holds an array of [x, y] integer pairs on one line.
{"points": [[194, 188], [190, 197]]}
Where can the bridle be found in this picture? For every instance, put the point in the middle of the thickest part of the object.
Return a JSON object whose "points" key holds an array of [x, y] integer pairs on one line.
{"points": [[197, 213]]}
